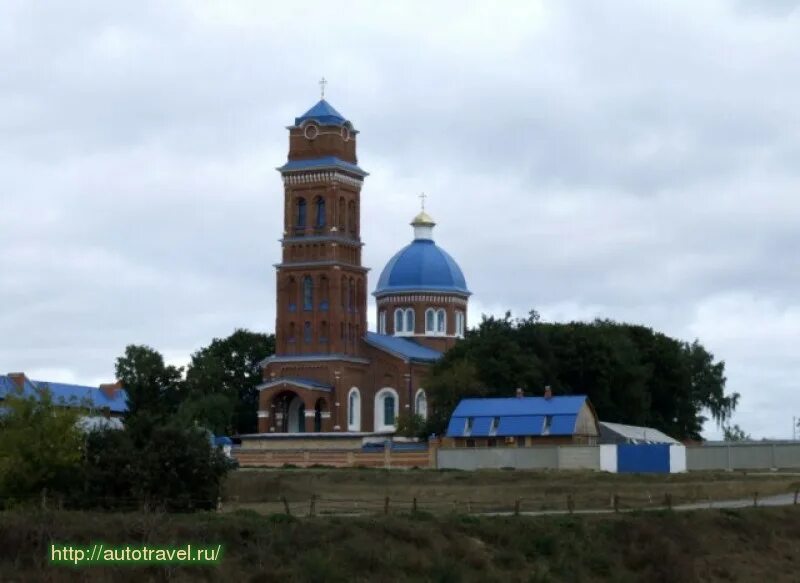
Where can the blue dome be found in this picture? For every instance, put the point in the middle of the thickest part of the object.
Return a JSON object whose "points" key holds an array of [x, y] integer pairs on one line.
{"points": [[422, 266]]}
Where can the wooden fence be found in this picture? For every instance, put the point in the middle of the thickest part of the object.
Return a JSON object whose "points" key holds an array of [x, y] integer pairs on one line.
{"points": [[338, 459]]}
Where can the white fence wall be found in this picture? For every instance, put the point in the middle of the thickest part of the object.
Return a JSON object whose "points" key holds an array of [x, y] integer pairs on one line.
{"points": [[743, 456]]}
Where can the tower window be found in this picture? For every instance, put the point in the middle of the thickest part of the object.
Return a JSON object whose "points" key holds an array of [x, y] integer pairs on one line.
{"points": [[308, 293], [460, 324], [301, 212], [409, 320], [320, 212], [307, 333], [351, 217], [323, 293]]}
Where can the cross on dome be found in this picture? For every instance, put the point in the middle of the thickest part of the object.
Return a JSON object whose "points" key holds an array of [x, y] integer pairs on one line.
{"points": [[322, 83]]}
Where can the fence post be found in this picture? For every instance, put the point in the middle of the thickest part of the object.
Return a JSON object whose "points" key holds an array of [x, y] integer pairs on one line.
{"points": [[469, 506], [796, 492], [414, 505], [286, 505], [313, 504], [616, 502], [386, 505], [570, 504], [755, 499], [219, 503], [517, 504], [668, 500]]}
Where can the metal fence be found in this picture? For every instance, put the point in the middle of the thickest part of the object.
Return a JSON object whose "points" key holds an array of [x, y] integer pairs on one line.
{"points": [[743, 456]]}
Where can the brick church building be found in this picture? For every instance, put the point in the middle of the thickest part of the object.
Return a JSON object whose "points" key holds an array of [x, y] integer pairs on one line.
{"points": [[330, 373]]}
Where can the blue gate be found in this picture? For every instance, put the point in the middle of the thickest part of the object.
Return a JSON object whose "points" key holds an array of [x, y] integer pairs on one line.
{"points": [[638, 458]]}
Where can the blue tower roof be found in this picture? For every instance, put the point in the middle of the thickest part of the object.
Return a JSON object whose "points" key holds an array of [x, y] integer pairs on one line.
{"points": [[323, 112], [422, 266]]}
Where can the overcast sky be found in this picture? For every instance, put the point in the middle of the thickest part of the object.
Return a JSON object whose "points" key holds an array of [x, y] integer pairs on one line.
{"points": [[630, 160]]}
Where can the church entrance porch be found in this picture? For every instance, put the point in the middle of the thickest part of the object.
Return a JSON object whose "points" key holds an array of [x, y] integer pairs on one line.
{"points": [[292, 407], [290, 413]]}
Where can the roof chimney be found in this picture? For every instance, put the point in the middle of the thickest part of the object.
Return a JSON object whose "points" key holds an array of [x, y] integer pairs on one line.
{"points": [[548, 392], [18, 378], [110, 389], [520, 393]]}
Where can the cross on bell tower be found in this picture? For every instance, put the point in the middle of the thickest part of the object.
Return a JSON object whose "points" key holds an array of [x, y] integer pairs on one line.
{"points": [[322, 83]]}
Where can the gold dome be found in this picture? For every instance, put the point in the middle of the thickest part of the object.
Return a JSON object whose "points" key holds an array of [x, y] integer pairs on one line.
{"points": [[423, 218]]}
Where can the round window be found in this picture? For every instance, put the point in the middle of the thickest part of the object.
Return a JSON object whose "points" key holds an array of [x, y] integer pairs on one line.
{"points": [[345, 133], [311, 132]]}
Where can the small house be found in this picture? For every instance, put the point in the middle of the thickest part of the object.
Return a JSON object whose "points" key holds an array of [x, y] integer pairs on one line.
{"points": [[523, 421]]}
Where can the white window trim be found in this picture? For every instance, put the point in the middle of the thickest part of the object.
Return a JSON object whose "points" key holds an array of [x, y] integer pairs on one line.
{"points": [[382, 322], [430, 331], [378, 409], [443, 313], [401, 312], [356, 424], [422, 392], [410, 330], [461, 321], [403, 331]]}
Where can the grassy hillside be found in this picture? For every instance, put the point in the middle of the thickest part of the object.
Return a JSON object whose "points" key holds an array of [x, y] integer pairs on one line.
{"points": [[748, 545], [352, 490]]}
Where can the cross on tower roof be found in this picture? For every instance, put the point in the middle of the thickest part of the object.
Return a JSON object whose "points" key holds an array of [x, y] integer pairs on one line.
{"points": [[422, 198], [322, 83]]}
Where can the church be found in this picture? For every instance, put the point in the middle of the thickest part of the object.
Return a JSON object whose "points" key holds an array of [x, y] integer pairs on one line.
{"points": [[330, 373]]}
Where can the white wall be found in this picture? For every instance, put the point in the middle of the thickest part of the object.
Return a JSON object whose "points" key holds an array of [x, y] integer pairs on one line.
{"points": [[677, 459], [608, 458]]}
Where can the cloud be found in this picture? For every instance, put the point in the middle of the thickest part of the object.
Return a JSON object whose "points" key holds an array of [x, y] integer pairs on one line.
{"points": [[613, 159]]}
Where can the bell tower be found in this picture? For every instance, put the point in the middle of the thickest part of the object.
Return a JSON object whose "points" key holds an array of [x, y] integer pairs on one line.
{"points": [[321, 284]]}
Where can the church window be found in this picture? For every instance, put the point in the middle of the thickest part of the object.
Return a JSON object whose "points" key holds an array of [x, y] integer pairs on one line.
{"points": [[308, 293], [398, 321], [324, 290], [320, 212], [354, 410], [351, 217], [292, 292], [430, 321], [382, 322], [301, 212], [421, 404], [342, 209], [307, 332], [460, 324], [351, 298], [388, 410], [441, 321], [409, 320]]}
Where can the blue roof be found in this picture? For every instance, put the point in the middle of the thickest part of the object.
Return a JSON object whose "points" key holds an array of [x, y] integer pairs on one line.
{"points": [[324, 162], [421, 266], [405, 348], [323, 112], [525, 416], [77, 395]]}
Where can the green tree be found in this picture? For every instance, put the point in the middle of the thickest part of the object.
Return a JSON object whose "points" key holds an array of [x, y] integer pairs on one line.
{"points": [[152, 386], [230, 366], [40, 447], [631, 373], [734, 433]]}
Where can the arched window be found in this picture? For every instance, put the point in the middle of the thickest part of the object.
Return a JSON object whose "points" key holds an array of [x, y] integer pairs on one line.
{"points": [[301, 212], [441, 321], [307, 332], [421, 404], [324, 290], [430, 321], [308, 293], [320, 212], [460, 321], [409, 321], [351, 217], [398, 321], [351, 298], [388, 410], [342, 209], [354, 410], [292, 292], [382, 322]]}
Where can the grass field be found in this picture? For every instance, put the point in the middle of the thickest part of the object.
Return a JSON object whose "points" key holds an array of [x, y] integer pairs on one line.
{"points": [[754, 544], [365, 491]]}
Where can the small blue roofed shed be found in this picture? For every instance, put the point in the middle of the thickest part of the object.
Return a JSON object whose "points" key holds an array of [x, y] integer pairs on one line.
{"points": [[521, 420]]}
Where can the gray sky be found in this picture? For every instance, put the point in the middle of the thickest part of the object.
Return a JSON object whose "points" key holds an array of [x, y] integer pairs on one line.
{"points": [[628, 160]]}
